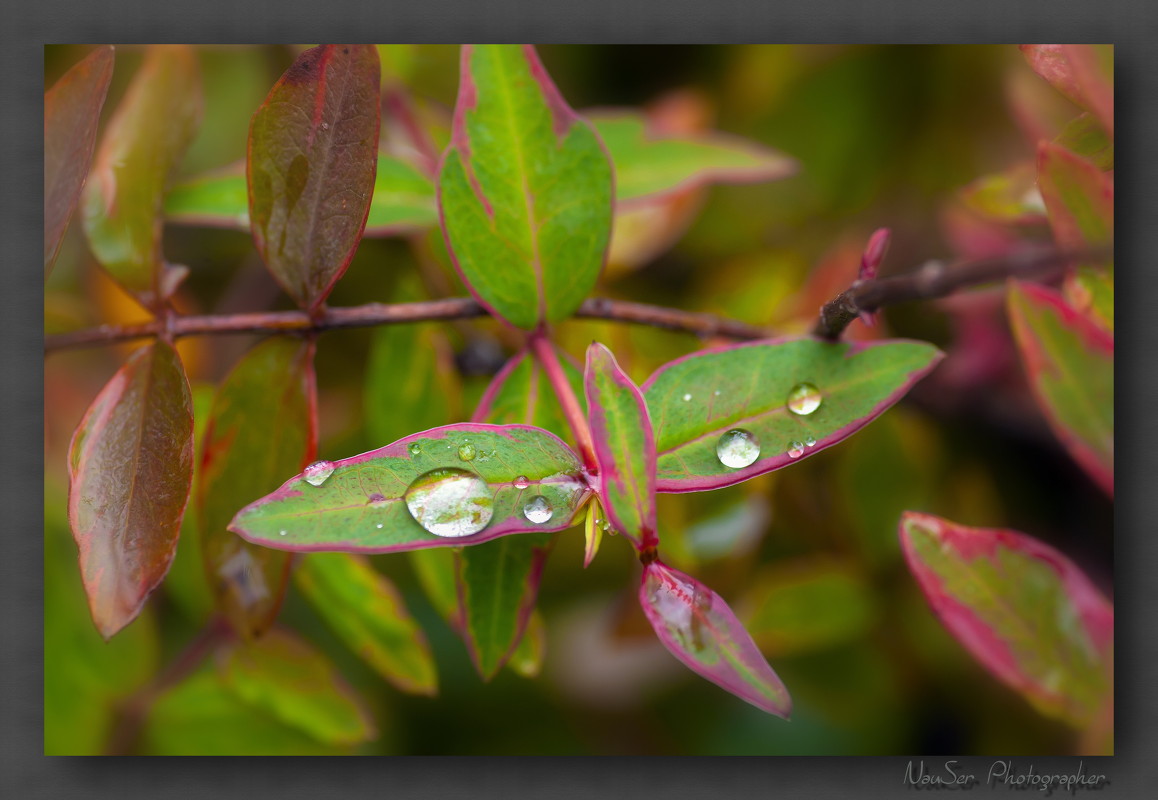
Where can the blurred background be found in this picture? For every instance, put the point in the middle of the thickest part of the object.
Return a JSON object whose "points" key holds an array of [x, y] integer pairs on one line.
{"points": [[808, 556]]}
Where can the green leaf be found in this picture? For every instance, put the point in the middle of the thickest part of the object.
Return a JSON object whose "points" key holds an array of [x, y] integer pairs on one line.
{"points": [[201, 717], [435, 569], [263, 425], [313, 153], [1070, 364], [499, 583], [624, 447], [130, 470], [461, 480], [527, 660], [367, 613], [411, 380], [806, 605], [1024, 610], [1009, 197], [72, 109], [521, 393], [403, 199], [525, 189], [649, 166], [288, 679], [143, 144], [1085, 137], [84, 676], [1079, 197], [698, 402], [218, 199]]}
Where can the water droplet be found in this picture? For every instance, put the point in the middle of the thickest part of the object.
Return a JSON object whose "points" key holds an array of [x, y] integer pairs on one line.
{"points": [[795, 449], [804, 399], [716, 393], [281, 533], [317, 472], [450, 502], [466, 452], [538, 510], [687, 397], [810, 442], [414, 448], [521, 482], [325, 126], [737, 449], [379, 526]]}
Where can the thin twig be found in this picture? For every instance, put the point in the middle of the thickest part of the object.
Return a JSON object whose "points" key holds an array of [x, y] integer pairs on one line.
{"points": [[936, 279], [374, 314]]}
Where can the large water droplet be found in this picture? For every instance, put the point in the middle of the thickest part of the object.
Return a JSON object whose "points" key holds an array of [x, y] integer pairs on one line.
{"points": [[414, 448], [538, 510], [466, 452], [450, 502], [795, 449], [521, 482], [737, 449], [804, 399], [317, 472]]}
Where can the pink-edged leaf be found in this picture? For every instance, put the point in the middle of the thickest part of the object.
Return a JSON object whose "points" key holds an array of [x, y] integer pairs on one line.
{"points": [[1078, 195], [1009, 198], [142, 145], [1023, 610], [290, 680], [467, 483], [1092, 66], [1083, 73], [498, 583], [624, 447], [650, 165], [592, 532], [697, 627], [130, 470], [727, 414], [263, 424], [1070, 364], [1084, 136], [312, 158], [72, 109], [524, 190], [366, 611]]}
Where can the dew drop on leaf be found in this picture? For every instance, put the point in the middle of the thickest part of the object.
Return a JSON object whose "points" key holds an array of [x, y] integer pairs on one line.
{"points": [[687, 397], [796, 449], [466, 452], [317, 472], [538, 510], [414, 448], [804, 399], [281, 533], [521, 482], [737, 448], [810, 442], [450, 502]]}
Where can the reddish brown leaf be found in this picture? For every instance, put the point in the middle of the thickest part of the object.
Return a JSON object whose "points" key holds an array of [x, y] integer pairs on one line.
{"points": [[263, 425], [131, 466], [313, 154], [72, 109]]}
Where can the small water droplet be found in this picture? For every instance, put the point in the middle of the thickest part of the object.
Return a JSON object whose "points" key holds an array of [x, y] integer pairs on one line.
{"points": [[281, 533], [804, 399], [466, 452], [379, 526], [325, 126], [716, 393], [810, 442], [737, 449], [687, 397], [450, 502], [538, 510], [414, 448], [521, 482], [317, 472], [795, 449]]}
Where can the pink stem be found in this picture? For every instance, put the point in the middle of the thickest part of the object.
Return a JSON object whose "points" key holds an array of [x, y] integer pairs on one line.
{"points": [[544, 351]]}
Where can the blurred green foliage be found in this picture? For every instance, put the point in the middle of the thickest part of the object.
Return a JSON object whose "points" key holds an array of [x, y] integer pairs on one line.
{"points": [[885, 137]]}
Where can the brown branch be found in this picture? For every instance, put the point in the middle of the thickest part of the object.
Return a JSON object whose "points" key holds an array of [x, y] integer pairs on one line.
{"points": [[381, 314], [936, 279]]}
